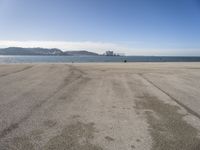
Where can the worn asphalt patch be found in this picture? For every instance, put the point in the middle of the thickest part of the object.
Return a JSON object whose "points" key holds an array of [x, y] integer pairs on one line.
{"points": [[74, 137], [166, 125]]}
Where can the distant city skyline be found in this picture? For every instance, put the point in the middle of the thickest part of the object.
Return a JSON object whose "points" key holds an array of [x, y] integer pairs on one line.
{"points": [[133, 27]]}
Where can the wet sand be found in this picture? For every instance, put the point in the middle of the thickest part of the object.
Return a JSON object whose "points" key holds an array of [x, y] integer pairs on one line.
{"points": [[100, 106]]}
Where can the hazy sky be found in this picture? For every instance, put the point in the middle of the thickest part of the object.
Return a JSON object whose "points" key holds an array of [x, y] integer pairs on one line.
{"points": [[134, 27]]}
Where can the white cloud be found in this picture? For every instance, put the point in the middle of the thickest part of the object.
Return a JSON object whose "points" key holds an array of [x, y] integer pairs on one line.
{"points": [[98, 47], [101, 47]]}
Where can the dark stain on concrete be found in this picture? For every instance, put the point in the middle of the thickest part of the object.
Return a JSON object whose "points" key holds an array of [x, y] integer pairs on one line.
{"points": [[132, 146], [168, 130], [193, 68], [137, 140], [8, 130], [110, 139], [75, 116], [74, 137], [36, 134], [18, 143], [50, 123]]}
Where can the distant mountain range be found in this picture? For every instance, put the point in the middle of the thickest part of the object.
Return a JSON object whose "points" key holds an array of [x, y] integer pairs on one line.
{"points": [[43, 51]]}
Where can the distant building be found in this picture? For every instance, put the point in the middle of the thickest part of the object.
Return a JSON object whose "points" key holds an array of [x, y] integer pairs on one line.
{"points": [[109, 53]]}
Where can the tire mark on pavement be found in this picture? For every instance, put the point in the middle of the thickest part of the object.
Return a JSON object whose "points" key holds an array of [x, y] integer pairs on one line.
{"points": [[172, 98], [17, 71], [73, 76]]}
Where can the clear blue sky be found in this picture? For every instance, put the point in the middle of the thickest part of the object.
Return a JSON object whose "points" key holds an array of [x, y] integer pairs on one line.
{"points": [[154, 27]]}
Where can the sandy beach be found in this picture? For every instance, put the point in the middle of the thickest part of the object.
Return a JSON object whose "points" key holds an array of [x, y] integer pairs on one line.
{"points": [[100, 106]]}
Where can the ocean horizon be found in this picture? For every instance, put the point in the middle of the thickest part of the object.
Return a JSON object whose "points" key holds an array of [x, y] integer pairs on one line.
{"points": [[84, 59]]}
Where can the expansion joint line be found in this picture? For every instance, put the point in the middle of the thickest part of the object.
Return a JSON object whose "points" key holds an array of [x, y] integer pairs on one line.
{"points": [[171, 97]]}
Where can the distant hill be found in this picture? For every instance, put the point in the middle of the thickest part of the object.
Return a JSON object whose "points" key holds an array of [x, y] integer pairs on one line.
{"points": [[42, 51], [78, 53], [29, 51]]}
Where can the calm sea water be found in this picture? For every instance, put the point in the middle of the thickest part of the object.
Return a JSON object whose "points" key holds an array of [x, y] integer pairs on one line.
{"points": [[63, 59]]}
